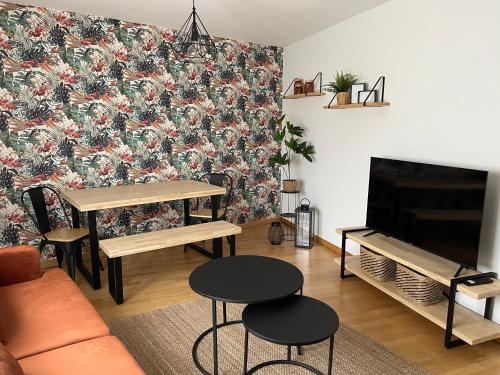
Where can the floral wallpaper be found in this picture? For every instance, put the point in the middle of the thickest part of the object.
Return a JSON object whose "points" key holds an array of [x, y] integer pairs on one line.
{"points": [[90, 102]]}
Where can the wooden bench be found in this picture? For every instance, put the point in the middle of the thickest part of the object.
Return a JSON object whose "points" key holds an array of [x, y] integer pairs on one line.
{"points": [[116, 248]]}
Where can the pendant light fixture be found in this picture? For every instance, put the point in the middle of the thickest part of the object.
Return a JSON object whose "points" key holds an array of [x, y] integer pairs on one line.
{"points": [[192, 42]]}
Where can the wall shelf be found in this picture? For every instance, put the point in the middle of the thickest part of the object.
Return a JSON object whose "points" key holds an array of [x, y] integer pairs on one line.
{"points": [[366, 103], [300, 96], [358, 105], [307, 88]]}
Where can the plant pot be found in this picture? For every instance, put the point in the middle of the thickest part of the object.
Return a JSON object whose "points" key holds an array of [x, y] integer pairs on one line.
{"points": [[289, 185], [343, 98]]}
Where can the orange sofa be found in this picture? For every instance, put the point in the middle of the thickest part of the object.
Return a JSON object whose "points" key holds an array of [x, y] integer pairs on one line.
{"points": [[47, 326]]}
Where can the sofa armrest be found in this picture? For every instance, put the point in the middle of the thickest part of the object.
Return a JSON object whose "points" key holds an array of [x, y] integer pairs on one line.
{"points": [[19, 264]]}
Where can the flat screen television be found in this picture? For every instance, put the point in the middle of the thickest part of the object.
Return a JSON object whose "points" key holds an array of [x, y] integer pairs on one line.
{"points": [[434, 207]]}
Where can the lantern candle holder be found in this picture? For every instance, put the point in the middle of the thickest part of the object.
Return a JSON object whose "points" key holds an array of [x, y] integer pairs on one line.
{"points": [[275, 234], [304, 224]]}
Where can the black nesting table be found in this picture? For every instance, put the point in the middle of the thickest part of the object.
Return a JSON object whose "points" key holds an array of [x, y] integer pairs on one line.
{"points": [[243, 279], [294, 321]]}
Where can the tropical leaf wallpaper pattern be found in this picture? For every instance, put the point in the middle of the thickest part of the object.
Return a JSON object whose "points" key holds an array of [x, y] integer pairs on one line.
{"points": [[89, 102]]}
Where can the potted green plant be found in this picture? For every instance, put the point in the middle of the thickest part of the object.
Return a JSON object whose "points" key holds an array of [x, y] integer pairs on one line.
{"points": [[290, 136], [341, 85]]}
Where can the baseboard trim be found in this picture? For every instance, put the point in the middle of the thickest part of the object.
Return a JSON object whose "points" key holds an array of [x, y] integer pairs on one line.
{"points": [[256, 223], [328, 245]]}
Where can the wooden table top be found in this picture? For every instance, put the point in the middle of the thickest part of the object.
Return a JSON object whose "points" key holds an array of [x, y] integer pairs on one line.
{"points": [[130, 195]]}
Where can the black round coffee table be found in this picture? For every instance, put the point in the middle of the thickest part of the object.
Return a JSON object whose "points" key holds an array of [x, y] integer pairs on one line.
{"points": [[294, 321], [244, 279]]}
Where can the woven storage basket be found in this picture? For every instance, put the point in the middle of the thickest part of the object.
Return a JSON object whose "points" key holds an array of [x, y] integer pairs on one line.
{"points": [[377, 266], [418, 288]]}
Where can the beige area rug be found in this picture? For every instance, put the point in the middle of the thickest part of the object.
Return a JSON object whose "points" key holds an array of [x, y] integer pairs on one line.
{"points": [[161, 341]]}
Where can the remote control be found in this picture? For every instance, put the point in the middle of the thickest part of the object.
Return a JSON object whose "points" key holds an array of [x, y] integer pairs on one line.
{"points": [[484, 280]]}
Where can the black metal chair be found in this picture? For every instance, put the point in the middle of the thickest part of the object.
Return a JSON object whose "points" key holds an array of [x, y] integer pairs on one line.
{"points": [[65, 240], [202, 212]]}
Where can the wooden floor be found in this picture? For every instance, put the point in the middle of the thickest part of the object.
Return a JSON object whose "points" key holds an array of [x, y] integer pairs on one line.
{"points": [[160, 278]]}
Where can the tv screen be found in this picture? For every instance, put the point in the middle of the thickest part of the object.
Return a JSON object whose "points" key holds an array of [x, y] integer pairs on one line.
{"points": [[436, 208]]}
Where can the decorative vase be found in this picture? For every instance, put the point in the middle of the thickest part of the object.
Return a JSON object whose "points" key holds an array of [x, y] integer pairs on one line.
{"points": [[298, 87], [309, 87], [343, 98], [275, 234], [289, 185]]}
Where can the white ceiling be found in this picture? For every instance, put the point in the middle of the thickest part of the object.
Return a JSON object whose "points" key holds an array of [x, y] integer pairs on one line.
{"points": [[273, 22]]}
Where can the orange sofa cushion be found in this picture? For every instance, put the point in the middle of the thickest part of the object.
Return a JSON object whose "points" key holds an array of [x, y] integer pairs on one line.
{"points": [[8, 364], [105, 355], [19, 264], [47, 313]]}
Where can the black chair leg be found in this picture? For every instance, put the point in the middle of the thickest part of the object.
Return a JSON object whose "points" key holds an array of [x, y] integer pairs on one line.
{"points": [[69, 253], [43, 243], [59, 256], [100, 264]]}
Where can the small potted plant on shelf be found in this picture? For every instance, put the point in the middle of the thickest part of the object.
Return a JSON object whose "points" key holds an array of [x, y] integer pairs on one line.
{"points": [[290, 136], [341, 85]]}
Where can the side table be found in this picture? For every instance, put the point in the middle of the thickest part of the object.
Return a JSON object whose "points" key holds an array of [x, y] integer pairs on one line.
{"points": [[293, 321], [288, 203], [243, 279]]}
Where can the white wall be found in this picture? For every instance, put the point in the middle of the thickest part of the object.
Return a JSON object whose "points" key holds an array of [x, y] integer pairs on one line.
{"points": [[442, 63]]}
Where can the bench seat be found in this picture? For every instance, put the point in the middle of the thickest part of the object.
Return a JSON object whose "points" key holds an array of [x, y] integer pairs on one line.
{"points": [[116, 248], [140, 243]]}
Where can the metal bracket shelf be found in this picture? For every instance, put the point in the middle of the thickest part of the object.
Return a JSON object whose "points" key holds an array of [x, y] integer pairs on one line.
{"points": [[318, 76], [366, 103]]}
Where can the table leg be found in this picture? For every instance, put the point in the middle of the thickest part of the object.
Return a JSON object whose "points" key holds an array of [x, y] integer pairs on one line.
{"points": [[93, 278], [289, 353], [217, 248], [94, 250], [224, 312], [214, 335], [330, 357], [75, 216], [186, 212], [232, 245], [245, 353], [216, 244], [214, 204]]}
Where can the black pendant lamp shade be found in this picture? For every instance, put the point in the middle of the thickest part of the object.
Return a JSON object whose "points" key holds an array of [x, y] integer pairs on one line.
{"points": [[192, 41]]}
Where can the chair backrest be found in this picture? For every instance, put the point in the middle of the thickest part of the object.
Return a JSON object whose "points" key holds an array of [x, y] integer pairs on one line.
{"points": [[223, 180], [40, 209]]}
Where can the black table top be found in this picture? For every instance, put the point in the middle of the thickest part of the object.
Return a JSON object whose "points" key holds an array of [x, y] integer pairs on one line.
{"points": [[296, 320], [246, 279]]}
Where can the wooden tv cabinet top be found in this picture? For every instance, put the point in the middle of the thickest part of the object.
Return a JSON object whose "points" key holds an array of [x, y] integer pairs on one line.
{"points": [[428, 264]]}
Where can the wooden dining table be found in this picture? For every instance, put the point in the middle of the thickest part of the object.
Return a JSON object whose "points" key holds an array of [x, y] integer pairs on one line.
{"points": [[91, 200]]}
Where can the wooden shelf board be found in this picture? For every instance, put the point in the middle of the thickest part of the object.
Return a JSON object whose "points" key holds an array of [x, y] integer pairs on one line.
{"points": [[358, 105], [468, 326], [300, 96], [428, 264]]}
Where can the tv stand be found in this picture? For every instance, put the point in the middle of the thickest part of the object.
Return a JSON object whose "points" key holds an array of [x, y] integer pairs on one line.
{"points": [[466, 325], [460, 269]]}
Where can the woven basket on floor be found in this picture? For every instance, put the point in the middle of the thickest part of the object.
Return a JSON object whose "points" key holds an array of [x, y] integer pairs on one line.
{"points": [[418, 288], [377, 266]]}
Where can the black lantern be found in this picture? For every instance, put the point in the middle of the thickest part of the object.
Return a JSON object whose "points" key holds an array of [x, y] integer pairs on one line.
{"points": [[304, 224], [192, 42]]}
